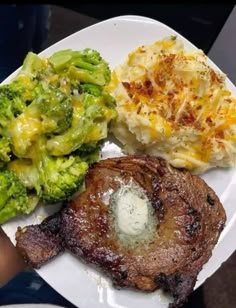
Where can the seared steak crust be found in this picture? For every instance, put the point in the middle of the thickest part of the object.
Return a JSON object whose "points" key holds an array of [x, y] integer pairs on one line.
{"points": [[40, 243], [190, 219]]}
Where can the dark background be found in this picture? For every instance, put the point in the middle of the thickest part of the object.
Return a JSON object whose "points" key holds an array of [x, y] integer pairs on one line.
{"points": [[200, 23]]}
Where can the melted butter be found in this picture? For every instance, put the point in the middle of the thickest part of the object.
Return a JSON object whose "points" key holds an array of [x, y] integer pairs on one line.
{"points": [[134, 219], [105, 197], [132, 213]]}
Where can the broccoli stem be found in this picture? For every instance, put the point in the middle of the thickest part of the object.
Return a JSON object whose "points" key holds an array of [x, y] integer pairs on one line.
{"points": [[31, 65]]}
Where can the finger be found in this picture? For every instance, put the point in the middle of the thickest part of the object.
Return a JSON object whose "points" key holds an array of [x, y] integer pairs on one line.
{"points": [[11, 262]]}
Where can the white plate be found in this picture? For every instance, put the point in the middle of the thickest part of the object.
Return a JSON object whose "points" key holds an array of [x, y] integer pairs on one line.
{"points": [[83, 286]]}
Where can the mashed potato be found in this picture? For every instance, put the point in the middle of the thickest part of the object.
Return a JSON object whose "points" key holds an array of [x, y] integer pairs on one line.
{"points": [[172, 104]]}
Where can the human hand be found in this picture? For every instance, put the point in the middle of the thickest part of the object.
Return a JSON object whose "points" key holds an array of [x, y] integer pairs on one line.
{"points": [[11, 262]]}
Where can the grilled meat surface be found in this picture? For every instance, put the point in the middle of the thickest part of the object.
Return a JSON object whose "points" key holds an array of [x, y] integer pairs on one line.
{"points": [[186, 214], [40, 243]]}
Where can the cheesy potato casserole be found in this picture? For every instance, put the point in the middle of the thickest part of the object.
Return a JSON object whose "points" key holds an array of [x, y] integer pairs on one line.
{"points": [[171, 103]]}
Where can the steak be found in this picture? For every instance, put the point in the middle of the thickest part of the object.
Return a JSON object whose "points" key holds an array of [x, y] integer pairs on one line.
{"points": [[40, 243], [183, 221]]}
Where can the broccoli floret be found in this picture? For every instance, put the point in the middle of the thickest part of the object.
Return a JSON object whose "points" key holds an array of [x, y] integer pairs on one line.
{"points": [[5, 150], [11, 91], [61, 177], [28, 173], [11, 105], [55, 110], [32, 65], [86, 76], [61, 59], [88, 125], [93, 56], [89, 148], [13, 196], [49, 113], [87, 66], [52, 118], [54, 179], [91, 89], [90, 152], [110, 103], [6, 112], [35, 70]]}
